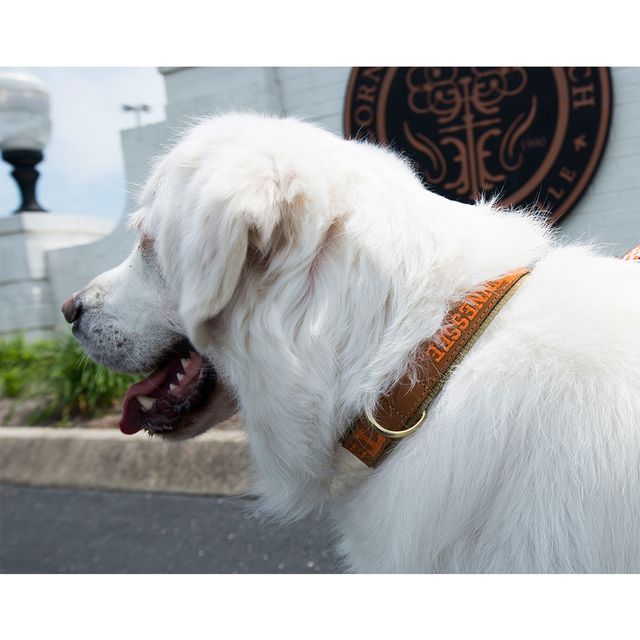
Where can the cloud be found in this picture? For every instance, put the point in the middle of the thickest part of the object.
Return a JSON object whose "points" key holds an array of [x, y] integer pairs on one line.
{"points": [[83, 170]]}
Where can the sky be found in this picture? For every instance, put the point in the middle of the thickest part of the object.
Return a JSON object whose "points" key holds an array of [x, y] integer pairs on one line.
{"points": [[83, 169]]}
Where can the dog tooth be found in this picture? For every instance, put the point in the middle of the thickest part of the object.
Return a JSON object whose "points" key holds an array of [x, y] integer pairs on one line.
{"points": [[180, 376], [172, 387], [146, 402], [185, 362]]}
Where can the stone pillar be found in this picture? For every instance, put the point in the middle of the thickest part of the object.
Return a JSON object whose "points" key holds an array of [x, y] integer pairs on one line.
{"points": [[26, 302]]}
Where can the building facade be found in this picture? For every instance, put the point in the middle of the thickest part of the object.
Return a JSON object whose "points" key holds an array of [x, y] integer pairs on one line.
{"points": [[608, 212]]}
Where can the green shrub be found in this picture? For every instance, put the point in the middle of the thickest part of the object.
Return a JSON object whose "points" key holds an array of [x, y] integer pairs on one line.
{"points": [[18, 361], [59, 371]]}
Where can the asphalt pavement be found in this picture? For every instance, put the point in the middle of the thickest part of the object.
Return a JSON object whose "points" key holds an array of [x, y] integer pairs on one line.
{"points": [[54, 530]]}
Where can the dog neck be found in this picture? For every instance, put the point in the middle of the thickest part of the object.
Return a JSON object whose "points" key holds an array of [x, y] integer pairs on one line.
{"points": [[402, 411], [321, 354]]}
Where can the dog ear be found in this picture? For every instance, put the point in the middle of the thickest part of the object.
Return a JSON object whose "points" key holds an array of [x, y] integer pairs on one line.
{"points": [[233, 210]]}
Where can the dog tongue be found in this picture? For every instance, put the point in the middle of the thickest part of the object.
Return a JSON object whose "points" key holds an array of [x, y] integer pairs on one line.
{"points": [[131, 420]]}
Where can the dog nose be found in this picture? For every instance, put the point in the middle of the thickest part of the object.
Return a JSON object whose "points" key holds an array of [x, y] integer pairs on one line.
{"points": [[71, 309]]}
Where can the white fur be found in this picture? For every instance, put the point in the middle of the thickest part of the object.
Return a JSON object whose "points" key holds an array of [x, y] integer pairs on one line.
{"points": [[308, 268]]}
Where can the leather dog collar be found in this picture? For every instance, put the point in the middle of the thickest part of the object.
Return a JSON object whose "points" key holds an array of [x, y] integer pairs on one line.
{"points": [[632, 254], [404, 409]]}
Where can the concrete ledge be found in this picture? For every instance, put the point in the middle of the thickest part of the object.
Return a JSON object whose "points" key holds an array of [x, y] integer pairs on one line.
{"points": [[216, 462]]}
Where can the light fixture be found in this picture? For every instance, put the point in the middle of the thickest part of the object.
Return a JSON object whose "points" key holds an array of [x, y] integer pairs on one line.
{"points": [[137, 109], [24, 131]]}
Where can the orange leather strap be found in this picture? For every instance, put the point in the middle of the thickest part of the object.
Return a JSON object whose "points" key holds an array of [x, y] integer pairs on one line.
{"points": [[406, 403], [632, 254]]}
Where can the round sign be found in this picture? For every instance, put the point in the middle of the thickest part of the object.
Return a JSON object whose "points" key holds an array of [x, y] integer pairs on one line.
{"points": [[528, 135]]}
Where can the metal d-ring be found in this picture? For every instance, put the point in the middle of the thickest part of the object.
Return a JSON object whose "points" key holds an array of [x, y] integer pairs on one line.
{"points": [[395, 435]]}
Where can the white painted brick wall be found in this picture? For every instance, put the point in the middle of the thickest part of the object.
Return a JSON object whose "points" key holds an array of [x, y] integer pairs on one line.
{"points": [[609, 210], [316, 93], [207, 90]]}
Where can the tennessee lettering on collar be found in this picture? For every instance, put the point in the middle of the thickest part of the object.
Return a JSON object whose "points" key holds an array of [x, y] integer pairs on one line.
{"points": [[405, 407]]}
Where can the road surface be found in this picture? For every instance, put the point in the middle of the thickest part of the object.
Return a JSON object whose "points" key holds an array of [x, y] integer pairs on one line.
{"points": [[53, 530]]}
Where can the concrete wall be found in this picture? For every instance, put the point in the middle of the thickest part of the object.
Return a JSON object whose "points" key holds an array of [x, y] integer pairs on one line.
{"points": [[314, 93], [71, 268], [608, 212], [27, 300]]}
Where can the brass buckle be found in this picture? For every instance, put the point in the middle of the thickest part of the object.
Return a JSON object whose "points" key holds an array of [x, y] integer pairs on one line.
{"points": [[394, 435]]}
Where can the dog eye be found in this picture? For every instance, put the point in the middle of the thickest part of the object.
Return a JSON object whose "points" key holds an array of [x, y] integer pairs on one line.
{"points": [[147, 248]]}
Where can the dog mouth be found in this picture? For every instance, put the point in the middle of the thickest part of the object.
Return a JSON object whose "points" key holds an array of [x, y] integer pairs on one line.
{"points": [[164, 402]]}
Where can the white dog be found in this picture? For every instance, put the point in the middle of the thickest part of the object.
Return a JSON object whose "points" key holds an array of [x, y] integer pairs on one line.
{"points": [[291, 273]]}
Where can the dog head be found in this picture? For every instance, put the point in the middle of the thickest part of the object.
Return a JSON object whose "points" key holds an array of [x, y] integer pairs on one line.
{"points": [[266, 275], [230, 226]]}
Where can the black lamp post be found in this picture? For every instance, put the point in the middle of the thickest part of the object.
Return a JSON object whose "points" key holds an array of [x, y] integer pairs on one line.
{"points": [[26, 175], [24, 132]]}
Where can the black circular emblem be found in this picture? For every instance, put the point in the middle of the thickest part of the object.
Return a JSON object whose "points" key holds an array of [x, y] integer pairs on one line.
{"points": [[528, 135]]}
